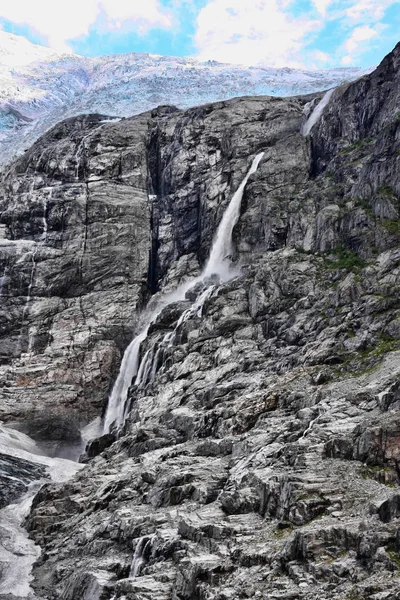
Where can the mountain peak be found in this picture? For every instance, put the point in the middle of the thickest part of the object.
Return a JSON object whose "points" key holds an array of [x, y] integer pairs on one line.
{"points": [[40, 87], [17, 51]]}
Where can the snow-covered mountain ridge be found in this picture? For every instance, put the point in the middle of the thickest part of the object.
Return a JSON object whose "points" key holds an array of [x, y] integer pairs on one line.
{"points": [[39, 87]]}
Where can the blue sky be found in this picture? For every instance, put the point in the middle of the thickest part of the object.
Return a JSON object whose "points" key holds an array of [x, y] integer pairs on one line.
{"points": [[304, 33]]}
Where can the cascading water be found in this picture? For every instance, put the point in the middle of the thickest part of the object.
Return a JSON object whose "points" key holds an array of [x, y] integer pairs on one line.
{"points": [[143, 550], [129, 367], [148, 366], [17, 551], [3, 280], [221, 250], [218, 264], [316, 113], [33, 254], [44, 217]]}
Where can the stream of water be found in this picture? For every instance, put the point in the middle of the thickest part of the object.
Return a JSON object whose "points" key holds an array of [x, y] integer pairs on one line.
{"points": [[316, 113], [17, 551], [218, 267]]}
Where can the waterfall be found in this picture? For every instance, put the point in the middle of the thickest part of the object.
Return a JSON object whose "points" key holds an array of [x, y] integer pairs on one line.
{"points": [[43, 239], [129, 367], [148, 366], [221, 250], [44, 217], [143, 549], [217, 267], [316, 113], [3, 280]]}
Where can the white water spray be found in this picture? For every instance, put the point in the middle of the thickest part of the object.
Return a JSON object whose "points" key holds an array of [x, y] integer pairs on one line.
{"points": [[17, 551], [218, 264], [316, 113], [149, 363], [144, 546], [44, 218], [129, 368], [43, 239], [3, 280], [221, 251]]}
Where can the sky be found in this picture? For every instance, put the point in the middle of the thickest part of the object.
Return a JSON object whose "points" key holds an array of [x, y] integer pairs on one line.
{"points": [[271, 33]]}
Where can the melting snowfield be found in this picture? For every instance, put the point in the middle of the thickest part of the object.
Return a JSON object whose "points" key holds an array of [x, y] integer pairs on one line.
{"points": [[17, 551]]}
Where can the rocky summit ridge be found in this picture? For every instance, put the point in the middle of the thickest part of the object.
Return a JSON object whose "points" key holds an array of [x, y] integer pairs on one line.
{"points": [[259, 457], [39, 88]]}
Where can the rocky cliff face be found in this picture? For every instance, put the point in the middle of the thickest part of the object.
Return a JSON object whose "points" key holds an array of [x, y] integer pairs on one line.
{"points": [[260, 459], [74, 255]]}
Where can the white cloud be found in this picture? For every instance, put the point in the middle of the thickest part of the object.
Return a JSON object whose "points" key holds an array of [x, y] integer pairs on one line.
{"points": [[59, 22], [146, 14], [254, 32], [362, 21], [368, 10], [322, 6], [321, 57], [355, 42]]}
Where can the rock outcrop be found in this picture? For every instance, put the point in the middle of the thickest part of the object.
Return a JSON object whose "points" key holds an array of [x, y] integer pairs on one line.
{"points": [[15, 476], [260, 459], [74, 256]]}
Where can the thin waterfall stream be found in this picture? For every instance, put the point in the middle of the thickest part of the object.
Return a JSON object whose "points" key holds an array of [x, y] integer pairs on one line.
{"points": [[316, 113], [218, 268]]}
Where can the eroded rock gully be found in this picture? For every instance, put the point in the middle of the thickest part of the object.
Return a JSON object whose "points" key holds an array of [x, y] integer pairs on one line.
{"points": [[262, 461]]}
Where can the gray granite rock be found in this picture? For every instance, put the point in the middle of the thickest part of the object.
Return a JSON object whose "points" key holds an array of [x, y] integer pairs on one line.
{"points": [[261, 461]]}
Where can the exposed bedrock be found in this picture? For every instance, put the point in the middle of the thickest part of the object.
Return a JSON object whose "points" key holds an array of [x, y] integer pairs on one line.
{"points": [[260, 459], [223, 484], [74, 256], [15, 476]]}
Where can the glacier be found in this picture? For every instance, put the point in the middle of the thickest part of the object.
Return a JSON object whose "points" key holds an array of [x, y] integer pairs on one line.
{"points": [[40, 87]]}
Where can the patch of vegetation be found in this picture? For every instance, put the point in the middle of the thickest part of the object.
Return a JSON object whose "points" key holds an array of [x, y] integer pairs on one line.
{"points": [[329, 560], [317, 496], [393, 554], [283, 529], [282, 533], [356, 146], [392, 226], [343, 258], [378, 469], [367, 361], [385, 190], [386, 344], [365, 205], [377, 474], [353, 594]]}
